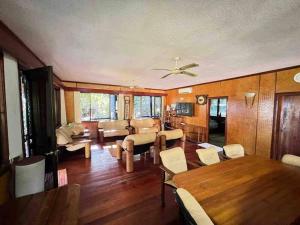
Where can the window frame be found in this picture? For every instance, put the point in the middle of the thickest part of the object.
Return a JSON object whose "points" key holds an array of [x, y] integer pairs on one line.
{"points": [[90, 107], [152, 106]]}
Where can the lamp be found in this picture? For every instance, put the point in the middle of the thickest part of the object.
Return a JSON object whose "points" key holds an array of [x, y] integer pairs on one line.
{"points": [[297, 78], [168, 108], [249, 98]]}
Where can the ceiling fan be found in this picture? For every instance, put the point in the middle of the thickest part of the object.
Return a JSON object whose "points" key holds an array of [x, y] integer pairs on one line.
{"points": [[180, 70]]}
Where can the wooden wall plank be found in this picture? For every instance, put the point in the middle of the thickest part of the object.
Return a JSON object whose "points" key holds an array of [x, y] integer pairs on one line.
{"points": [[285, 81], [69, 100], [265, 114]]}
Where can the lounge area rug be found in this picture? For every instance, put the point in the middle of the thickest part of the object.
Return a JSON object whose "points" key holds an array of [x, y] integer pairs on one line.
{"points": [[62, 177], [112, 148]]}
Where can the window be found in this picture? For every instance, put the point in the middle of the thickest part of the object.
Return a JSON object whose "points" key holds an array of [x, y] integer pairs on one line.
{"points": [[218, 107], [147, 106], [95, 106]]}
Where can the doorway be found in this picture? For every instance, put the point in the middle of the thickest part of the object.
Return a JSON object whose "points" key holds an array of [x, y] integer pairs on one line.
{"points": [[217, 115], [286, 133]]}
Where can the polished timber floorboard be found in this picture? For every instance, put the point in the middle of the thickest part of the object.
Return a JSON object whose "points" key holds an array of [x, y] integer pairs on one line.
{"points": [[109, 195]]}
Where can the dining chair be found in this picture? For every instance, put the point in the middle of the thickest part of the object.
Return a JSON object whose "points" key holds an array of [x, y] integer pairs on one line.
{"points": [[191, 210], [291, 160], [234, 151], [208, 156], [173, 162]]}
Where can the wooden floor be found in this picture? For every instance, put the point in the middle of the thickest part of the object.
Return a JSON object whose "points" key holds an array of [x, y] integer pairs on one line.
{"points": [[109, 195]]}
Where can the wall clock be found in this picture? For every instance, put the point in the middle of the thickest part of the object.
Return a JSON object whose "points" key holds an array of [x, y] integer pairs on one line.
{"points": [[201, 99]]}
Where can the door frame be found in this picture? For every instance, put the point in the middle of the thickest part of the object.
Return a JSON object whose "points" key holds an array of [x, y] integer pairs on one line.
{"points": [[208, 116], [276, 120]]}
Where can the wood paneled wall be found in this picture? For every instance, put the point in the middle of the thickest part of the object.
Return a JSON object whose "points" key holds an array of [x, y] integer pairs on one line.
{"points": [[249, 126], [69, 101]]}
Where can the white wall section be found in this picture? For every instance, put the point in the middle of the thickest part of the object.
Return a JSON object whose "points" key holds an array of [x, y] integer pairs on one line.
{"points": [[77, 113], [13, 107]]}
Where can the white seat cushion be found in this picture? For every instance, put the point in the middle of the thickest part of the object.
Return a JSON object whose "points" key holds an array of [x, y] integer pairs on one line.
{"points": [[139, 139], [174, 159], [142, 123], [147, 130], [291, 160], [193, 207], [171, 134], [113, 133], [234, 151], [113, 124], [208, 156]]}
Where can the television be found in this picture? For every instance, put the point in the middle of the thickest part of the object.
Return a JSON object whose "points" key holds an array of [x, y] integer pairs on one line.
{"points": [[184, 109]]}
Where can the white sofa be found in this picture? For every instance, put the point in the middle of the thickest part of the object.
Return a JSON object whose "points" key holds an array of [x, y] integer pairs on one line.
{"points": [[113, 128], [64, 139], [142, 126]]}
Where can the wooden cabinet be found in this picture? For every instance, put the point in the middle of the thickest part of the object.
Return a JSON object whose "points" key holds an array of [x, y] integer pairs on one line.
{"points": [[193, 133]]}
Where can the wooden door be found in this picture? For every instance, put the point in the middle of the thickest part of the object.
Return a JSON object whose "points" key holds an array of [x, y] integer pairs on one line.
{"points": [[286, 139]]}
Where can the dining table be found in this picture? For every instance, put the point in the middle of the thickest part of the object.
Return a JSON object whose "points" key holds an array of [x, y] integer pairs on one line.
{"points": [[247, 190]]}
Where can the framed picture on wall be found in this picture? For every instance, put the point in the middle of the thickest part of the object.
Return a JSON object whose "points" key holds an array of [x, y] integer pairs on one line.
{"points": [[126, 107]]}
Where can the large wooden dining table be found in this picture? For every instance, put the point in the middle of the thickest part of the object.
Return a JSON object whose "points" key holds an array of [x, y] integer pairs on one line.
{"points": [[247, 190]]}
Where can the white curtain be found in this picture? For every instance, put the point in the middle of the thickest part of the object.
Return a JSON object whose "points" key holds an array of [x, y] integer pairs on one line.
{"points": [[121, 107], [163, 102], [77, 113], [63, 115]]}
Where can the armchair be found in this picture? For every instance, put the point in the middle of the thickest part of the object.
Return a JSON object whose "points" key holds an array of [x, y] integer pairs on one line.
{"points": [[64, 139], [168, 138], [136, 144], [113, 128], [147, 125]]}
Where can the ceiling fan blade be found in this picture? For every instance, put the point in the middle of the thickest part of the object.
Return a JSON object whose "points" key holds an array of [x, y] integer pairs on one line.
{"points": [[189, 73], [162, 69], [189, 66], [166, 75]]}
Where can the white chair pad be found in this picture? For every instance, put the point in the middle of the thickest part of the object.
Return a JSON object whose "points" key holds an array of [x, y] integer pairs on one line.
{"points": [[147, 130], [193, 207], [208, 156], [291, 160], [139, 139], [174, 160], [171, 134]]}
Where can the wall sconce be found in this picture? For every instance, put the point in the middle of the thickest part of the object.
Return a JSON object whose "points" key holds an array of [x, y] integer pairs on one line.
{"points": [[249, 98], [297, 78]]}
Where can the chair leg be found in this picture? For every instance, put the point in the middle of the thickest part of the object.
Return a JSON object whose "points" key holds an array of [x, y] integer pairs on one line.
{"points": [[162, 194]]}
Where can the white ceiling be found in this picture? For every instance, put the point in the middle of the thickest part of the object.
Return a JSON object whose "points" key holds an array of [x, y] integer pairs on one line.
{"points": [[119, 42]]}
